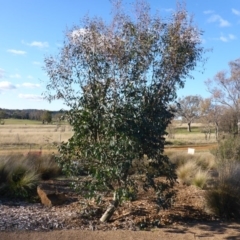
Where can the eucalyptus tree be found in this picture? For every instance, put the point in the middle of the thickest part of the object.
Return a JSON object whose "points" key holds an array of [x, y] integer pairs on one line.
{"points": [[118, 78], [189, 109], [225, 89], [211, 114]]}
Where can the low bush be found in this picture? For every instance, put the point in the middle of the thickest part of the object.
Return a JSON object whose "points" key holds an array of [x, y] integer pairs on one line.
{"points": [[224, 199], [228, 150]]}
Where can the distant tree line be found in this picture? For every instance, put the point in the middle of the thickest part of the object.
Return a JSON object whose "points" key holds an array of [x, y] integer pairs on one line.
{"points": [[31, 114]]}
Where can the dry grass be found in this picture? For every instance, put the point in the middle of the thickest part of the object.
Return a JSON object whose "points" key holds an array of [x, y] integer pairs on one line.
{"points": [[224, 199], [193, 169], [41, 135], [200, 178], [205, 160], [186, 172]]}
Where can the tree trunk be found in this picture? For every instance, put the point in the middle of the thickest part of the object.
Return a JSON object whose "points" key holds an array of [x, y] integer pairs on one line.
{"points": [[189, 127], [216, 131], [110, 210]]}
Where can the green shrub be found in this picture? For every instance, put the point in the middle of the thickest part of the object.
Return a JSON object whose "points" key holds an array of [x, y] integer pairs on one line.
{"points": [[228, 150], [224, 199]]}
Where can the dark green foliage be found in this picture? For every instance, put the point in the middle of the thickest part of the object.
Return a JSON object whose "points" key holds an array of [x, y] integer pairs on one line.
{"points": [[118, 81]]}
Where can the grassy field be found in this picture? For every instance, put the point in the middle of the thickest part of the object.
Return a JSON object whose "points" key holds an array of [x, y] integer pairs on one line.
{"points": [[17, 134], [12, 121], [22, 134]]}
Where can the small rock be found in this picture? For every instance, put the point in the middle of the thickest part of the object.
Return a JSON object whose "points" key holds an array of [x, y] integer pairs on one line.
{"points": [[50, 197]]}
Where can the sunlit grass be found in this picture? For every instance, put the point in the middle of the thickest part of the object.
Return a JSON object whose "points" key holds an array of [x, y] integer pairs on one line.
{"points": [[200, 179]]}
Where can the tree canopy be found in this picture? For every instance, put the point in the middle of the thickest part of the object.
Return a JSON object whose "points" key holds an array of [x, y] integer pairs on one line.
{"points": [[118, 79], [189, 109], [225, 89]]}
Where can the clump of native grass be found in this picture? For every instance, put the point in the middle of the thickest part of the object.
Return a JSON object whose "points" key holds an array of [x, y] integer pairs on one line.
{"points": [[20, 175], [17, 180], [45, 166], [193, 169], [223, 199]]}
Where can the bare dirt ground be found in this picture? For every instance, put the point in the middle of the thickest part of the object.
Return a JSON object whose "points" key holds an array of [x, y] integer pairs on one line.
{"points": [[141, 219], [190, 232]]}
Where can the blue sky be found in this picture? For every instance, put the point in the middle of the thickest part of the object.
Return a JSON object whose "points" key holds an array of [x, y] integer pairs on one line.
{"points": [[30, 30]]}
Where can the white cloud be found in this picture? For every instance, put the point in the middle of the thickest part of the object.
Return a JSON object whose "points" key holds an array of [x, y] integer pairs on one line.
{"points": [[5, 85], [235, 11], [231, 36], [31, 85], [39, 44], [15, 76], [223, 39], [217, 18], [17, 52], [30, 96], [36, 63], [227, 38], [30, 77], [208, 12]]}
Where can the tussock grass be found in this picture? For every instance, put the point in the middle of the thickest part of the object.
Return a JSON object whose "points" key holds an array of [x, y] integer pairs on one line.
{"points": [[224, 199], [193, 169], [204, 160], [186, 171], [17, 180], [19, 174], [44, 165], [179, 158], [200, 178]]}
